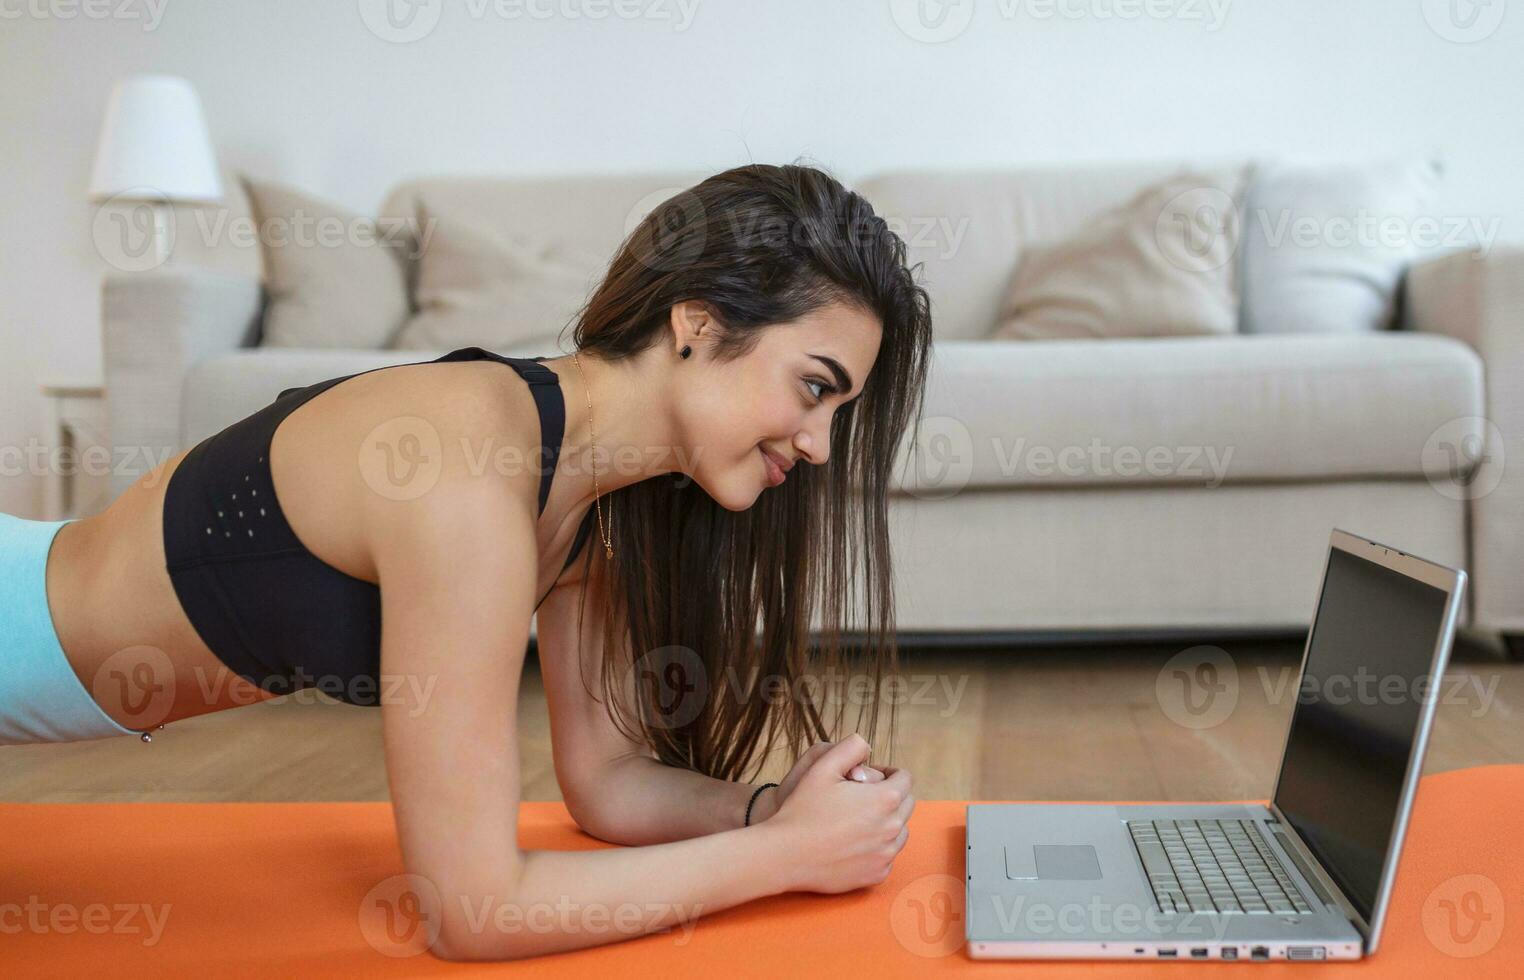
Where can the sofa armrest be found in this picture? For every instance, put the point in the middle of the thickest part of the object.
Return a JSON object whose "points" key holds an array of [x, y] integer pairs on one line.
{"points": [[154, 326], [1477, 296]]}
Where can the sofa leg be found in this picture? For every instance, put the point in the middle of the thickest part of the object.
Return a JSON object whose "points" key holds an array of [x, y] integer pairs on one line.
{"points": [[1513, 647]]}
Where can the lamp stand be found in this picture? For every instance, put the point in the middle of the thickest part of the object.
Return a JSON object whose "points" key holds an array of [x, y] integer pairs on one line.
{"points": [[161, 244]]}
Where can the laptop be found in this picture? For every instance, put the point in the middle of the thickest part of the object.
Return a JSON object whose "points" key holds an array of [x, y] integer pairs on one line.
{"points": [[1307, 877]]}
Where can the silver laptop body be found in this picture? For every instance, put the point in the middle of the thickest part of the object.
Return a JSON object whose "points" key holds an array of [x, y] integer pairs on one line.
{"points": [[1306, 878]]}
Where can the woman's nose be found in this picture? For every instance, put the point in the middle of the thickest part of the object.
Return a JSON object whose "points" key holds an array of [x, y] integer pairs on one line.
{"points": [[807, 441]]}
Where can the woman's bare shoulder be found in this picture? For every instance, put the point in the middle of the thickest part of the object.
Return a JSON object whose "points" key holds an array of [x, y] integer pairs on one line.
{"points": [[396, 449], [444, 438]]}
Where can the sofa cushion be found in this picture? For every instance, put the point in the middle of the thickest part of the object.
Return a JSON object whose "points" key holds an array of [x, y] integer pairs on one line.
{"points": [[1195, 410], [1325, 244], [1158, 265], [481, 285], [333, 278], [507, 261], [968, 229]]}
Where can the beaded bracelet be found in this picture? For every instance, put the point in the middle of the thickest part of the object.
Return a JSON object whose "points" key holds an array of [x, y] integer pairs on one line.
{"points": [[753, 800]]}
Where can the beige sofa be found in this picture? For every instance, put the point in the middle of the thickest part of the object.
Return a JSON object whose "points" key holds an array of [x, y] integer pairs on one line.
{"points": [[1159, 487]]}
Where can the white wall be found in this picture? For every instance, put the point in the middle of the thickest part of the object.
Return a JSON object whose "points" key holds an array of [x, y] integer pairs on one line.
{"points": [[303, 91]]}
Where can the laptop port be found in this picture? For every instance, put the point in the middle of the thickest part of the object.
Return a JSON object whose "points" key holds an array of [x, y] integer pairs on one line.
{"points": [[1199, 953], [1259, 953], [1230, 952], [1166, 953], [1304, 952]]}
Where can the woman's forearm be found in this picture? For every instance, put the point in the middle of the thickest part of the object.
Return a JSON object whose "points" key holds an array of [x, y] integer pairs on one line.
{"points": [[638, 800], [565, 900]]}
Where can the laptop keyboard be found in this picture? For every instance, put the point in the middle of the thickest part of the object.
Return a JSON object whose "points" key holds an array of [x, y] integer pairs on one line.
{"points": [[1213, 866]]}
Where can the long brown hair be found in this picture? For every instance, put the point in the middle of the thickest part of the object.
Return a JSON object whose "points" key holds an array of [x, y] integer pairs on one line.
{"points": [[691, 583]]}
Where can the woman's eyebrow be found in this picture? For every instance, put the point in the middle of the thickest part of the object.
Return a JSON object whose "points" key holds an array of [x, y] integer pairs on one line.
{"points": [[843, 379]]}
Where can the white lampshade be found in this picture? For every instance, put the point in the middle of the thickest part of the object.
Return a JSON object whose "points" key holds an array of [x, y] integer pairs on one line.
{"points": [[154, 144]]}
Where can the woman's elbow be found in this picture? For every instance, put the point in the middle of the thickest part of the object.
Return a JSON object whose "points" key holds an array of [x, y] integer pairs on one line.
{"points": [[456, 947], [461, 941], [595, 819], [467, 919]]}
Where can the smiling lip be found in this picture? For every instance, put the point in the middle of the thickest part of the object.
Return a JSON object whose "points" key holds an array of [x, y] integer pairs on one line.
{"points": [[776, 473]]}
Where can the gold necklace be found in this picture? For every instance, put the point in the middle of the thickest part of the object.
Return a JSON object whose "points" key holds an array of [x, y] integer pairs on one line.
{"points": [[593, 442]]}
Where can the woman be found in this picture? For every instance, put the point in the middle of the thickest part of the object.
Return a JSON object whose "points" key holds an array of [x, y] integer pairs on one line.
{"points": [[390, 541]]}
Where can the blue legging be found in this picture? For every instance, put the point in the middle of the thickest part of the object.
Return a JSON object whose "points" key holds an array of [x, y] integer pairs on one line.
{"points": [[41, 698]]}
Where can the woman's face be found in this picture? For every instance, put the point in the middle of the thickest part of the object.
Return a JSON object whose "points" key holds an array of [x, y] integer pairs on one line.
{"points": [[776, 401]]}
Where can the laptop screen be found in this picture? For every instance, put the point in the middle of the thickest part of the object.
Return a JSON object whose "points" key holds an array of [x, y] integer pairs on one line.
{"points": [[1357, 715]]}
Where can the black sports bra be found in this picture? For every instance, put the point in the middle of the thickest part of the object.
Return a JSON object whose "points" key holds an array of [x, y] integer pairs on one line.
{"points": [[269, 608]]}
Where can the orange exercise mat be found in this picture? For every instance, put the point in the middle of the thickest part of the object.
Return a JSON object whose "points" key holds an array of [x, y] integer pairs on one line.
{"points": [[299, 889]]}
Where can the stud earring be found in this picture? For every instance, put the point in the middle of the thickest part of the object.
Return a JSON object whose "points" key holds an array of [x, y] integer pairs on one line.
{"points": [[686, 351]]}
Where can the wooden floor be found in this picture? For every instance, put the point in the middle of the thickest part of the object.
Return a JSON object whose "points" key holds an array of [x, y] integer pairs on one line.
{"points": [[1021, 723]]}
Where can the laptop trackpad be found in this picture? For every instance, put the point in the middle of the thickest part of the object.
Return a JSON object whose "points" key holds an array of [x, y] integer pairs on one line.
{"points": [[1053, 862]]}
